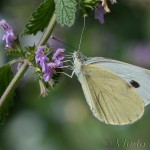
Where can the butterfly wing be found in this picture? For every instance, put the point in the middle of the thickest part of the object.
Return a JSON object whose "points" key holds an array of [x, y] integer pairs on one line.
{"points": [[110, 98], [129, 73]]}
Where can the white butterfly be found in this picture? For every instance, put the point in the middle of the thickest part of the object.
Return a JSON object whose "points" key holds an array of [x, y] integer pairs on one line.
{"points": [[115, 91]]}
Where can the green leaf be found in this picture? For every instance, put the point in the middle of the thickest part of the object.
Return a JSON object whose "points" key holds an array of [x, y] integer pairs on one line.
{"points": [[6, 76], [65, 11], [40, 18]]}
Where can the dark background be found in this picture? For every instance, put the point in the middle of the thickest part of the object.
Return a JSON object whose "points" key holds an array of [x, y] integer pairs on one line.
{"points": [[63, 120]]}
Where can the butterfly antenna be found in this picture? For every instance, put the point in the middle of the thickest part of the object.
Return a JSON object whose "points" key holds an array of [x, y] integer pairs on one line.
{"points": [[63, 42], [81, 37]]}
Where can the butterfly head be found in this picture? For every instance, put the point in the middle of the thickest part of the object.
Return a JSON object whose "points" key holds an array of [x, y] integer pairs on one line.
{"points": [[78, 56], [79, 59]]}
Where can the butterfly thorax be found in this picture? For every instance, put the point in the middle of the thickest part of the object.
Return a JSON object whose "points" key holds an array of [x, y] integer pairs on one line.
{"points": [[79, 58]]}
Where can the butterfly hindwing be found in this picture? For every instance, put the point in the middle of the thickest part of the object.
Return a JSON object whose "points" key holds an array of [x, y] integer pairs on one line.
{"points": [[110, 98]]}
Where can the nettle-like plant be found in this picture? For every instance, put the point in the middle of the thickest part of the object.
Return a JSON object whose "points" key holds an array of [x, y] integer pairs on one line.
{"points": [[47, 63]]}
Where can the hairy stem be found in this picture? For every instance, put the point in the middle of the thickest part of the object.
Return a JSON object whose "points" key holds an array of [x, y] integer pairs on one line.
{"points": [[48, 31], [15, 81], [13, 84]]}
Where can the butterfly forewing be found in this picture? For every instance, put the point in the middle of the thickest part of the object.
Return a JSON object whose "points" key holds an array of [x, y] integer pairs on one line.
{"points": [[129, 73], [110, 98]]}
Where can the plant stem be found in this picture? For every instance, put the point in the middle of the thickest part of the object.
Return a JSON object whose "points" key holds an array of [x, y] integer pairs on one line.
{"points": [[48, 31], [15, 81], [13, 84]]}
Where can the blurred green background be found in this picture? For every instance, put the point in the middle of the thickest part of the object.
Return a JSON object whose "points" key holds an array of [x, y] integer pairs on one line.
{"points": [[63, 120]]}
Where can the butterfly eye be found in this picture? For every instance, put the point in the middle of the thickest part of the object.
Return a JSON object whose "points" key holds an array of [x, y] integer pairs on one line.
{"points": [[134, 84]]}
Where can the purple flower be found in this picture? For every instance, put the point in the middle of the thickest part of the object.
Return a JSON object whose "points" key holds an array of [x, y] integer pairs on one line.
{"points": [[9, 36], [5, 25], [58, 54], [49, 68], [99, 13], [41, 58], [58, 57], [58, 63], [49, 72], [43, 66], [51, 65]]}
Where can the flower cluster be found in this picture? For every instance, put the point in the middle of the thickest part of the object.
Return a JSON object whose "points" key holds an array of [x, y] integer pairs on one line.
{"points": [[101, 10], [99, 13], [9, 36], [49, 67]]}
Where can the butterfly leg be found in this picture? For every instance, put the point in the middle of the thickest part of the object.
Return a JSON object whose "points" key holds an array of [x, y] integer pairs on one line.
{"points": [[70, 76], [67, 67], [68, 61]]}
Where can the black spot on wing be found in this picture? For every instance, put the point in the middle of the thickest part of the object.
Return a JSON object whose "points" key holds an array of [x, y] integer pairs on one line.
{"points": [[134, 84]]}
